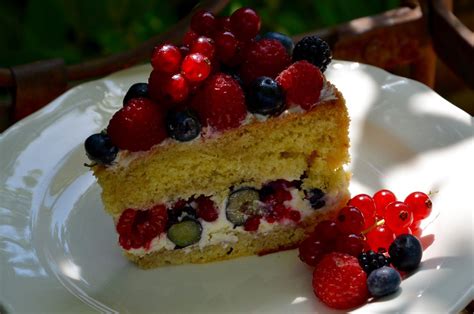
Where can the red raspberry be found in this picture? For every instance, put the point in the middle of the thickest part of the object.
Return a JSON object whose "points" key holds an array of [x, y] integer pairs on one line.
{"points": [[221, 102], [206, 209], [266, 57], [252, 223], [166, 58], [137, 126], [125, 223], [245, 23], [294, 215], [340, 282], [302, 83]]}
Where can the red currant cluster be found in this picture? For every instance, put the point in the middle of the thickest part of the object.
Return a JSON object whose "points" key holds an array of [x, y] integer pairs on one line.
{"points": [[211, 41], [366, 223]]}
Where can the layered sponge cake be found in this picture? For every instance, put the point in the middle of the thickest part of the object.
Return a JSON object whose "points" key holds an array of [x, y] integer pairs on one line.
{"points": [[224, 152]]}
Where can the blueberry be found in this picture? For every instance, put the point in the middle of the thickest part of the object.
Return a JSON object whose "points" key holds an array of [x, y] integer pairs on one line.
{"points": [[99, 148], [383, 281], [185, 233], [316, 198], [176, 215], [242, 204], [265, 97], [285, 40], [183, 125], [405, 252], [135, 91]]}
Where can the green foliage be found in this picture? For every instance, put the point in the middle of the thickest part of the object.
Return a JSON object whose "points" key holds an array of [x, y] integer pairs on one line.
{"points": [[77, 30]]}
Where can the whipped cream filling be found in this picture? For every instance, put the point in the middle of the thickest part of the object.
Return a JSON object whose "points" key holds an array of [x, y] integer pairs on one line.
{"points": [[224, 233]]}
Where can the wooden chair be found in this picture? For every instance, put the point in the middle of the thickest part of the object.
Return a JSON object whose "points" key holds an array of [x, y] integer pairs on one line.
{"points": [[412, 35]]}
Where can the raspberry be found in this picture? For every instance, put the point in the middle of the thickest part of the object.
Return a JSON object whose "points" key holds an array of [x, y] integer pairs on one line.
{"points": [[314, 50], [245, 23], [294, 215], [221, 102], [206, 209], [252, 223], [166, 58], [203, 22], [125, 223], [266, 57], [302, 83], [138, 126], [340, 282]]}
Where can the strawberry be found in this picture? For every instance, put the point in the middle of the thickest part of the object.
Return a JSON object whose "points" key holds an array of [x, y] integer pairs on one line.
{"points": [[266, 57], [220, 102], [340, 282], [302, 83], [137, 126]]}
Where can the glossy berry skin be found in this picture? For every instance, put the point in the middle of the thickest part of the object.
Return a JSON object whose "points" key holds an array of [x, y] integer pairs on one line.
{"points": [[206, 209], [196, 67], [223, 23], [137, 126], [265, 97], [350, 220], [380, 237], [183, 126], [398, 216], [99, 148], [177, 88], [420, 204], [137, 90], [370, 261], [285, 40], [166, 58], [203, 23], [366, 205], [381, 199], [351, 244], [406, 252], [312, 250], [205, 46], [156, 85], [189, 37], [326, 231], [383, 281], [226, 46], [245, 23], [314, 50]]}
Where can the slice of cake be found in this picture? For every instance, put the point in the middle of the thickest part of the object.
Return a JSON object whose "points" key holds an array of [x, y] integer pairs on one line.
{"points": [[235, 147]]}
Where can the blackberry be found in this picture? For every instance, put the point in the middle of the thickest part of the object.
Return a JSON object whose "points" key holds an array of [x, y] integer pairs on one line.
{"points": [[370, 261], [314, 50], [316, 198]]}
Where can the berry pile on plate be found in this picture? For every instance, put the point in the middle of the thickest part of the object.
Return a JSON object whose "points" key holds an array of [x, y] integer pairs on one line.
{"points": [[222, 70], [360, 254]]}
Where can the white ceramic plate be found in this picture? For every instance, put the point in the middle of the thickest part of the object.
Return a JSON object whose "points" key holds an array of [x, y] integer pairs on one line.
{"points": [[58, 250]]}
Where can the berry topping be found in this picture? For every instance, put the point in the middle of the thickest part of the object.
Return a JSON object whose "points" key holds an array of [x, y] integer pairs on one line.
{"points": [[99, 148], [302, 83], [350, 220], [266, 57], [189, 37], [380, 238], [183, 126], [185, 233], [177, 88], [223, 23], [203, 22], [315, 198], [340, 282], [137, 90], [242, 204], [156, 83], [312, 250], [420, 204], [166, 58], [398, 216], [382, 198], [314, 50], [366, 205], [285, 40], [220, 103], [226, 45], [383, 281], [352, 244], [406, 252], [265, 97], [205, 46], [370, 261], [196, 67], [245, 23], [206, 209], [137, 126], [325, 230], [252, 223], [294, 215]]}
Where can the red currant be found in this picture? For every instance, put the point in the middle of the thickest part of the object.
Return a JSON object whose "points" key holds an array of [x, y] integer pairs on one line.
{"points": [[294, 215], [252, 223], [196, 67], [177, 88], [206, 209], [326, 231], [223, 23], [203, 45], [351, 244], [190, 37], [380, 237], [184, 50], [203, 22], [350, 220], [382, 198], [245, 23], [226, 44], [420, 204], [312, 250], [166, 58], [366, 205], [398, 216]]}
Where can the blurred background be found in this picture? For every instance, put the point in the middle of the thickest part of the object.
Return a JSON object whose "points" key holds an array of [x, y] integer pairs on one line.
{"points": [[79, 30]]}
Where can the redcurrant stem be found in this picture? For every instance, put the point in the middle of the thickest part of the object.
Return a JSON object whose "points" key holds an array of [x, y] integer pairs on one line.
{"points": [[431, 193], [375, 225]]}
